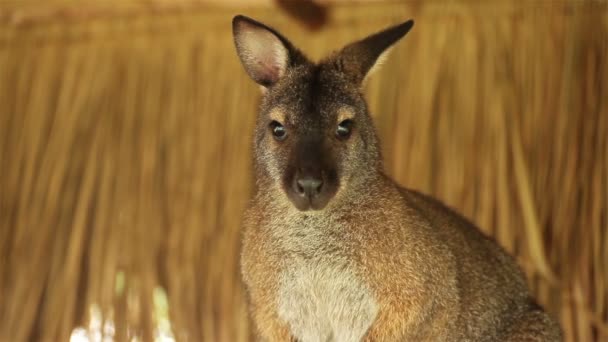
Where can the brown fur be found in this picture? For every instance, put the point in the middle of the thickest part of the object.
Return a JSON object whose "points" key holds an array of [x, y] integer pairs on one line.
{"points": [[373, 261]]}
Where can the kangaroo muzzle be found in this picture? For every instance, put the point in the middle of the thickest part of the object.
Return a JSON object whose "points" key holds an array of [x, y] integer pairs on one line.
{"points": [[311, 180]]}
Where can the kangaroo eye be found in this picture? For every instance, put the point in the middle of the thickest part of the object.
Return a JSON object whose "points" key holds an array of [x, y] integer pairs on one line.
{"points": [[278, 131], [344, 129]]}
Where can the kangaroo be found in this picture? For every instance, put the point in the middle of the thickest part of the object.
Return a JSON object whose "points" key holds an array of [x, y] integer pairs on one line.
{"points": [[333, 249]]}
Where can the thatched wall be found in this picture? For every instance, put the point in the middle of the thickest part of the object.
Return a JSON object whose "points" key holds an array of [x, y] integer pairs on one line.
{"points": [[124, 153]]}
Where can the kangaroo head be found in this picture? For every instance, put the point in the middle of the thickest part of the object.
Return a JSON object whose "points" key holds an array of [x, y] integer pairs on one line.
{"points": [[314, 136]]}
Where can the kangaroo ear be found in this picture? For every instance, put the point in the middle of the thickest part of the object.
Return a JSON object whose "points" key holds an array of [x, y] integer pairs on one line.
{"points": [[265, 53], [357, 59]]}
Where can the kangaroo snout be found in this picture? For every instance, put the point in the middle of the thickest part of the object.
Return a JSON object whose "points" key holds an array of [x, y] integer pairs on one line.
{"points": [[310, 179], [311, 188], [308, 186]]}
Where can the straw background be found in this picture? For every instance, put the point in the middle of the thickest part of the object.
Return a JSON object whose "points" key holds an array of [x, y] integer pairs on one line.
{"points": [[125, 159]]}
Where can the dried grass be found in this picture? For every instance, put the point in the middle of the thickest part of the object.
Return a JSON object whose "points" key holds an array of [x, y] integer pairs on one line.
{"points": [[125, 160]]}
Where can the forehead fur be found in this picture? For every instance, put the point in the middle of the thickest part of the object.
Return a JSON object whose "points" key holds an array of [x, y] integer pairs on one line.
{"points": [[312, 92]]}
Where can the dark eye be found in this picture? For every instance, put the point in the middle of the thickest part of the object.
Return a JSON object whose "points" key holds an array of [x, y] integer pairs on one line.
{"points": [[278, 131], [344, 129]]}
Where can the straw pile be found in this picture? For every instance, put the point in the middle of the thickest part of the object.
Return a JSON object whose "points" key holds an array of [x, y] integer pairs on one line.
{"points": [[125, 160]]}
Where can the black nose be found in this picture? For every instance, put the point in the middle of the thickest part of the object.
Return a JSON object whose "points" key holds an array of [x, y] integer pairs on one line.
{"points": [[309, 186]]}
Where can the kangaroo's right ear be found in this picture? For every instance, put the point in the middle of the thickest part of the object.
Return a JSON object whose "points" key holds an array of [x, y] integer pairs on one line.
{"points": [[265, 53], [356, 60]]}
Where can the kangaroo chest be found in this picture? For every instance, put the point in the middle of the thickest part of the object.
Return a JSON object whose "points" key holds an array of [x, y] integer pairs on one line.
{"points": [[320, 296]]}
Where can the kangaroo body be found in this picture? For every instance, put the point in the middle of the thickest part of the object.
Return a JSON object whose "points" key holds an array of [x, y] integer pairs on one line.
{"points": [[334, 250], [398, 266]]}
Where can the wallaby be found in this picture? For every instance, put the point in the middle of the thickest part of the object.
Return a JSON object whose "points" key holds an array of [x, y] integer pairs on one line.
{"points": [[334, 250]]}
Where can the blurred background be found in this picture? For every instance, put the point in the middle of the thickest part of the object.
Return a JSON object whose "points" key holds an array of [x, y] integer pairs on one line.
{"points": [[125, 132]]}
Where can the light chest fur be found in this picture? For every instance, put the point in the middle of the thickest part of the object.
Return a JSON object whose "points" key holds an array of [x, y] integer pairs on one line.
{"points": [[320, 296]]}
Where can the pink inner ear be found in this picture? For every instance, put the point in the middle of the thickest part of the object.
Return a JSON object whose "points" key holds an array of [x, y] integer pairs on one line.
{"points": [[269, 72], [263, 54]]}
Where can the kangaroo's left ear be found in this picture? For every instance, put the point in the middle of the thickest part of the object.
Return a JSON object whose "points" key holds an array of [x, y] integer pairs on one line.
{"points": [[264, 52], [357, 59]]}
